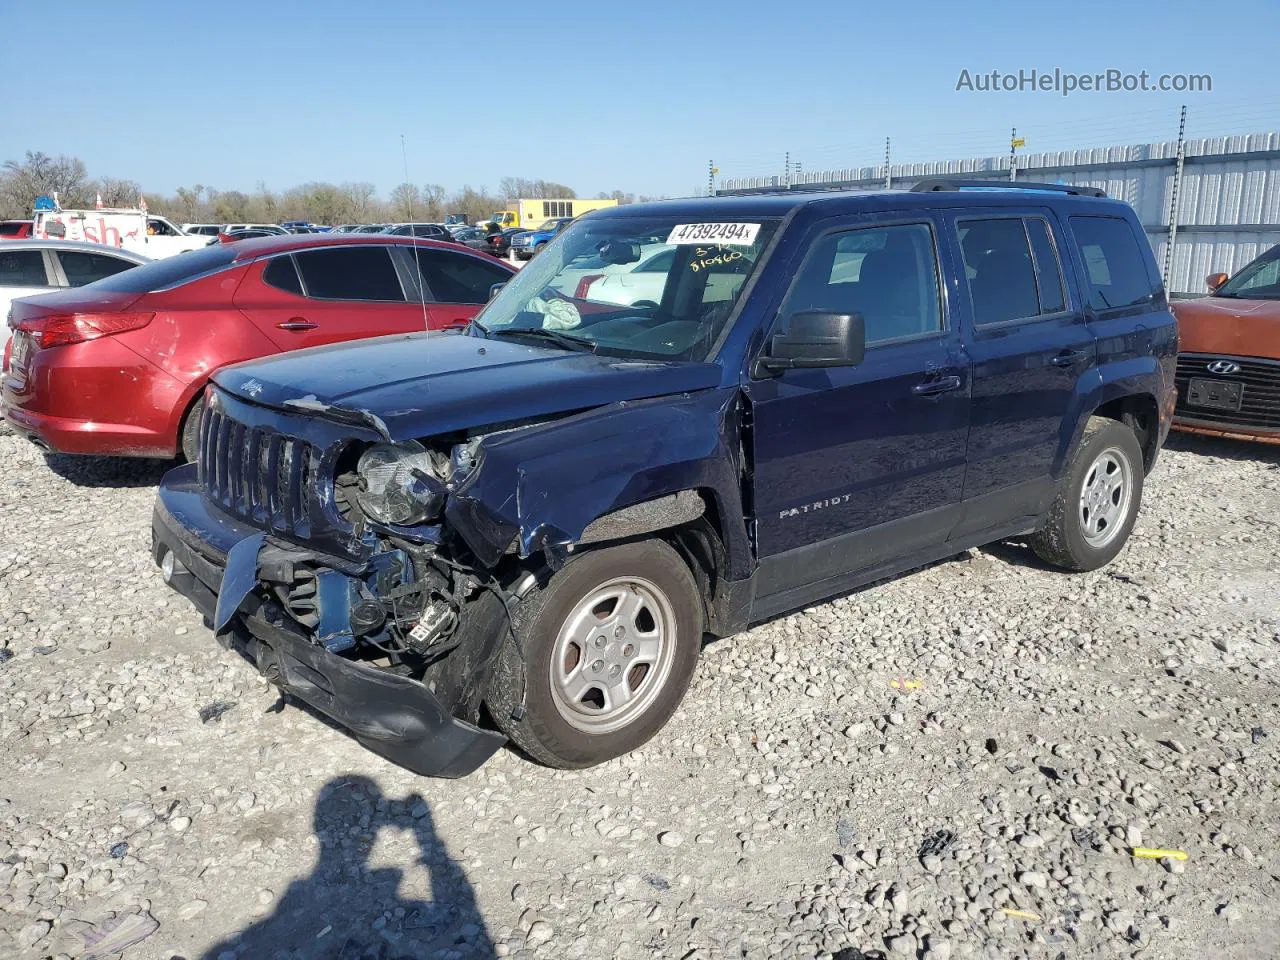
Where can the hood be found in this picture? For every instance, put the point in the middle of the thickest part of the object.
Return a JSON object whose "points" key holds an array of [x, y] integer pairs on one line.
{"points": [[426, 384], [1238, 328]]}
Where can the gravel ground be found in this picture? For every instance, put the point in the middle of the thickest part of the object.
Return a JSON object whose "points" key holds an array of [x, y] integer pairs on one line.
{"points": [[955, 763]]}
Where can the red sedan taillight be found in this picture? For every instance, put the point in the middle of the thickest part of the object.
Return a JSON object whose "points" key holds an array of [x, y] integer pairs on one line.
{"points": [[585, 284], [58, 331]]}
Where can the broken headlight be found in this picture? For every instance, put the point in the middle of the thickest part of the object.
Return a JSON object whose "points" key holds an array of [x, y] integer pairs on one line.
{"points": [[399, 484]]}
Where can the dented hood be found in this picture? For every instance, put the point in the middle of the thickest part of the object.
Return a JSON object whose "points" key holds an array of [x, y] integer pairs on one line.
{"points": [[420, 385], [1229, 325]]}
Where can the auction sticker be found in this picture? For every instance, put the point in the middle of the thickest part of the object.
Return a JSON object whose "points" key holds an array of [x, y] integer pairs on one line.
{"points": [[738, 234]]}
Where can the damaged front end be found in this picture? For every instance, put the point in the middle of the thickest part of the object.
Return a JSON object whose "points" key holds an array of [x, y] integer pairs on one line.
{"points": [[322, 558]]}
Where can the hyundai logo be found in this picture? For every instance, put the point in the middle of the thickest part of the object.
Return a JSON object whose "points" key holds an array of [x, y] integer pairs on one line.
{"points": [[1224, 367]]}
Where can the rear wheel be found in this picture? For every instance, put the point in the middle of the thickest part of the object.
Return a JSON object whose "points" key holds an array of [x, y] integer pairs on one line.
{"points": [[609, 647], [1090, 519]]}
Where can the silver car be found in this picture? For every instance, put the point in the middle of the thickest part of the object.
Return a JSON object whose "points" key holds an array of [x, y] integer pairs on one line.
{"points": [[30, 267]]}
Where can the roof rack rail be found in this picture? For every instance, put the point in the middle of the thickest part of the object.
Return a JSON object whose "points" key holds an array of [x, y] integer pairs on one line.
{"points": [[937, 184]]}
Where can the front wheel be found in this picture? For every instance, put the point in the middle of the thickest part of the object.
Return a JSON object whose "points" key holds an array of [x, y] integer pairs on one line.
{"points": [[1091, 517], [609, 647]]}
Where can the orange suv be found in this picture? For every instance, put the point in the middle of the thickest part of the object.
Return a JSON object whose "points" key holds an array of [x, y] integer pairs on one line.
{"points": [[1229, 357]]}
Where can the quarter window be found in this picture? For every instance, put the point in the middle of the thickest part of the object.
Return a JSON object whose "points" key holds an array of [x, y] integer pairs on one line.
{"points": [[82, 268], [22, 268], [283, 275], [1116, 269], [358, 273], [888, 274], [457, 278]]}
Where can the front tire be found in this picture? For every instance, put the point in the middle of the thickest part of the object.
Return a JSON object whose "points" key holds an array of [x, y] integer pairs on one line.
{"points": [[1090, 519], [609, 643]]}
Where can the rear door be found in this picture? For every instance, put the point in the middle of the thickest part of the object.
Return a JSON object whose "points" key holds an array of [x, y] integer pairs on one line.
{"points": [[1026, 334], [455, 285], [327, 295]]}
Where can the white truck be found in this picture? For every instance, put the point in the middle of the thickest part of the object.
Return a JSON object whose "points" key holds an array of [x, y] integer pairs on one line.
{"points": [[136, 230]]}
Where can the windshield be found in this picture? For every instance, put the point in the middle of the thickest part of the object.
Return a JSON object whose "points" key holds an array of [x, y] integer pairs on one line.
{"points": [[548, 225], [1259, 280], [658, 288]]}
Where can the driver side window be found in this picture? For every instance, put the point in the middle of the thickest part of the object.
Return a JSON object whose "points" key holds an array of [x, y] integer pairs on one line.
{"points": [[889, 274]]}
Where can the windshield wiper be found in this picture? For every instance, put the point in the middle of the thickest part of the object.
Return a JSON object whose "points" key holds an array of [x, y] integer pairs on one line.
{"points": [[565, 340]]}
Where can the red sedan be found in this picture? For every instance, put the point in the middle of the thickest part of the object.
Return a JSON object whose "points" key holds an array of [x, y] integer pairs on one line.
{"points": [[118, 366]]}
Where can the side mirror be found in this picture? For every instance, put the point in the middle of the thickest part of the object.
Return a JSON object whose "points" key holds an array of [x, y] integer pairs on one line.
{"points": [[1215, 281], [816, 338], [493, 291]]}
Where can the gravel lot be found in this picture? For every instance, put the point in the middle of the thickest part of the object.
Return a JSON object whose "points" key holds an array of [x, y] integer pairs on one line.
{"points": [[955, 763]]}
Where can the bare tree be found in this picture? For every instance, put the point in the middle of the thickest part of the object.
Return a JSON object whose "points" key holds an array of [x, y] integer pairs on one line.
{"points": [[406, 201], [42, 175]]}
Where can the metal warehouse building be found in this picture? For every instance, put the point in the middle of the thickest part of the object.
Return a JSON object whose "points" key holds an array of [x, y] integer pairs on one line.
{"points": [[1228, 195]]}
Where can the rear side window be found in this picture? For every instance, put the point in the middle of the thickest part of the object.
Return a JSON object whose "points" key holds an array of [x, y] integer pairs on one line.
{"points": [[888, 274], [997, 264], [82, 268], [171, 271], [22, 268], [1115, 269], [457, 278], [283, 275], [357, 273]]}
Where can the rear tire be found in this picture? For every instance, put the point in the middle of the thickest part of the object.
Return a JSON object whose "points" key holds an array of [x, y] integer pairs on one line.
{"points": [[609, 644], [1090, 519]]}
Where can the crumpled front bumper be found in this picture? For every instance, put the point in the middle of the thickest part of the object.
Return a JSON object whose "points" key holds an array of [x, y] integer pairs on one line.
{"points": [[392, 715]]}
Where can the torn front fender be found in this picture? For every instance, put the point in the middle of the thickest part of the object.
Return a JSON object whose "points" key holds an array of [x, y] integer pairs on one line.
{"points": [[538, 488]]}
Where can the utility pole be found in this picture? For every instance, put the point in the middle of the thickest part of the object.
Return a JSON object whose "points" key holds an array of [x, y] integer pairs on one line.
{"points": [[1013, 154], [888, 177], [799, 172], [1173, 198], [786, 179], [711, 178]]}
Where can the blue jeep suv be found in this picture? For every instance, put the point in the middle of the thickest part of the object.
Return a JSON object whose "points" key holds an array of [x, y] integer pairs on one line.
{"points": [[526, 530]]}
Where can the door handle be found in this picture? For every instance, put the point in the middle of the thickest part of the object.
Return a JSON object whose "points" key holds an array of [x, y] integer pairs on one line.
{"points": [[297, 323], [1068, 358], [931, 388]]}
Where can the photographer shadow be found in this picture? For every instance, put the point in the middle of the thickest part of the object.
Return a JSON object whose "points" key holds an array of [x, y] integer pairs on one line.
{"points": [[346, 909]]}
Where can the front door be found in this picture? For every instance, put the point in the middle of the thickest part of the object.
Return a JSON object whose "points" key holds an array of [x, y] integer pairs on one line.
{"points": [[859, 467]]}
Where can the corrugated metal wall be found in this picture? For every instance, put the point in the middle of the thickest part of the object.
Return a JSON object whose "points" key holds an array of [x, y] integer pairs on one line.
{"points": [[1228, 208]]}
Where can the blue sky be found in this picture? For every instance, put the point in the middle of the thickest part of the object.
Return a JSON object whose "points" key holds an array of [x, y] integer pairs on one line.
{"points": [[598, 95]]}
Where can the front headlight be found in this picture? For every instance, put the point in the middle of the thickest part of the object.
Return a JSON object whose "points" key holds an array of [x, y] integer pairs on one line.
{"points": [[399, 484]]}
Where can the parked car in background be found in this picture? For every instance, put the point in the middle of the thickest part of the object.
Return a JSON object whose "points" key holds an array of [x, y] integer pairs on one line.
{"points": [[15, 229], [527, 531], [1229, 355], [252, 233], [118, 368], [429, 231], [493, 242], [346, 228], [202, 229], [272, 228], [371, 228], [148, 234], [530, 242], [30, 267]]}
